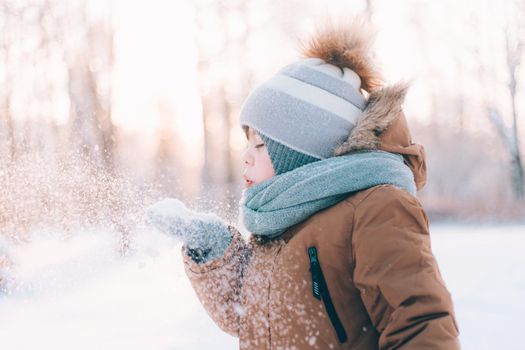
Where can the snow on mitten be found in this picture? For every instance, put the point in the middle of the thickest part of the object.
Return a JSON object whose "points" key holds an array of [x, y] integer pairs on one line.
{"points": [[205, 234]]}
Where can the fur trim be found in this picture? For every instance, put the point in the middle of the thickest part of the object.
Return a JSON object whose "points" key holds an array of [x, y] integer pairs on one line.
{"points": [[383, 108], [347, 46]]}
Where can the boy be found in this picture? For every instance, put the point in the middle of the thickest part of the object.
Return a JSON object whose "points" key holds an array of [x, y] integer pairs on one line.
{"points": [[339, 256]]}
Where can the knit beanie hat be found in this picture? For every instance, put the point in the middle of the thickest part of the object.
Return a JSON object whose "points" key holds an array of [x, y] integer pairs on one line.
{"points": [[304, 112]]}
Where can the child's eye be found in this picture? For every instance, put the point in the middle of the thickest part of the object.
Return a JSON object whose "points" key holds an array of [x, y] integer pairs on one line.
{"points": [[259, 145]]}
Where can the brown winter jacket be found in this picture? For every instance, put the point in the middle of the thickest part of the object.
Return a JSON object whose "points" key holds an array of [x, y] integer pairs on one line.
{"points": [[382, 288]]}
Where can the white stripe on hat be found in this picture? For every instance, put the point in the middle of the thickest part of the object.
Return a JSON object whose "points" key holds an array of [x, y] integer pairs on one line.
{"points": [[315, 96]]}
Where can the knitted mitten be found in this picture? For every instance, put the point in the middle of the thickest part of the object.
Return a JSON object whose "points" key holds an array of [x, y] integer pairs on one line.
{"points": [[205, 234]]}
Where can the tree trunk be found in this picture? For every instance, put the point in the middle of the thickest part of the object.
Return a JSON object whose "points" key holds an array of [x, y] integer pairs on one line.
{"points": [[10, 130], [6, 115], [517, 177], [516, 163], [206, 167], [513, 65]]}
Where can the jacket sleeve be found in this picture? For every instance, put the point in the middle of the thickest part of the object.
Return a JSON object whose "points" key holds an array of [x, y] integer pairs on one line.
{"points": [[397, 274], [218, 282]]}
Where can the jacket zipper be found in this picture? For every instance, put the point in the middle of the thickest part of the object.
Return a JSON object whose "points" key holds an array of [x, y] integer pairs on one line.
{"points": [[320, 291]]}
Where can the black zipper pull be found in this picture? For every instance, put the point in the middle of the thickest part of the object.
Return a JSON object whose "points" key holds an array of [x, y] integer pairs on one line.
{"points": [[315, 270]]}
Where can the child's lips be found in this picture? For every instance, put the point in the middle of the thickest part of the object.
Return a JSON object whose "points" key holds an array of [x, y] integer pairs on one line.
{"points": [[247, 182]]}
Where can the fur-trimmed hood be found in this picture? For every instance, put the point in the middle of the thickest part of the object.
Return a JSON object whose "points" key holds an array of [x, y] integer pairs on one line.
{"points": [[383, 125]]}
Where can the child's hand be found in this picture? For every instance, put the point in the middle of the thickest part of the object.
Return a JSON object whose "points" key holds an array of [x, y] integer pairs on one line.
{"points": [[204, 232]]}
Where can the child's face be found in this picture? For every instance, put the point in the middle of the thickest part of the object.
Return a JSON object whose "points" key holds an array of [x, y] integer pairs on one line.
{"points": [[257, 163]]}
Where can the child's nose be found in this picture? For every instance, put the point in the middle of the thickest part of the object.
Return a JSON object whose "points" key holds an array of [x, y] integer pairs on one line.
{"points": [[247, 159]]}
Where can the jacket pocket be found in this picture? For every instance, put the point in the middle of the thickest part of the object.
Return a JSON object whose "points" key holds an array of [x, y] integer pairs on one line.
{"points": [[320, 291]]}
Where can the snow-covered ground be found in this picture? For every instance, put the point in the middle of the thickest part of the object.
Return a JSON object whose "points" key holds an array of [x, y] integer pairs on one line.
{"points": [[77, 293]]}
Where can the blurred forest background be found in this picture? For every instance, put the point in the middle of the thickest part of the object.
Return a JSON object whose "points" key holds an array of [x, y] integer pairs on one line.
{"points": [[107, 105]]}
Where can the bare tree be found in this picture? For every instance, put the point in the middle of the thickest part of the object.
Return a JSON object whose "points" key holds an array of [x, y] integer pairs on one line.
{"points": [[87, 48], [227, 73], [101, 42], [218, 95], [514, 37], [166, 158]]}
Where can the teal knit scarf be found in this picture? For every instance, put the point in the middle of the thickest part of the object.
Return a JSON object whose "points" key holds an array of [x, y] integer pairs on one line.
{"points": [[272, 206]]}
